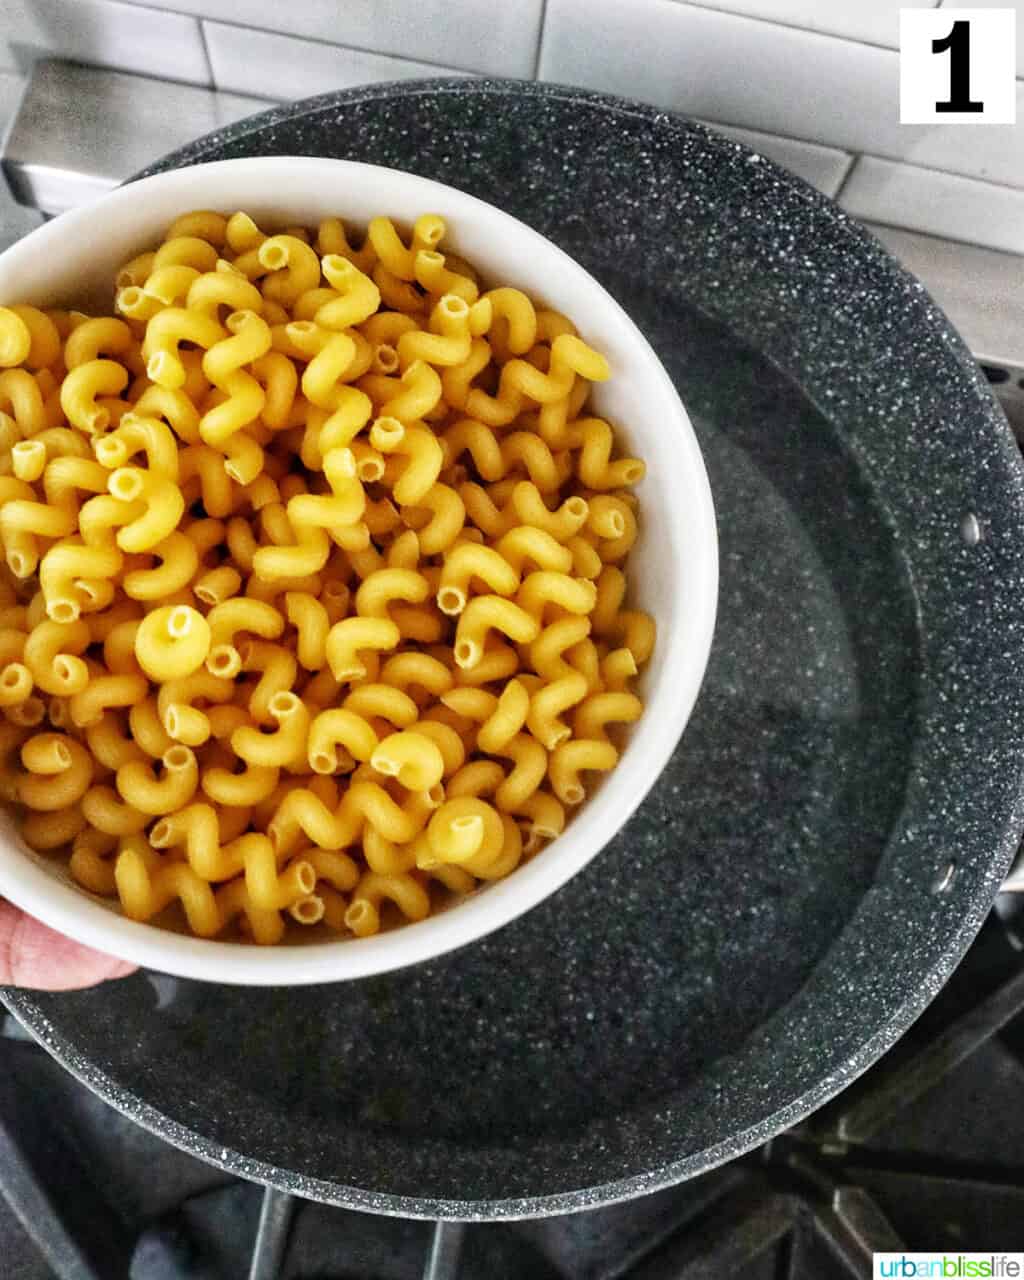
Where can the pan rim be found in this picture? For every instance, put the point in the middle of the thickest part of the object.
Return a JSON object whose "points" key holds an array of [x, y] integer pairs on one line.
{"points": [[1008, 824]]}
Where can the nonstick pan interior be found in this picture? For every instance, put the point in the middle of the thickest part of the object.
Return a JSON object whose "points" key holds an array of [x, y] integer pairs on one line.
{"points": [[782, 906]]}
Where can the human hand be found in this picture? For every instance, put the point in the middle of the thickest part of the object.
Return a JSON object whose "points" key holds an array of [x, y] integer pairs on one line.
{"points": [[34, 955]]}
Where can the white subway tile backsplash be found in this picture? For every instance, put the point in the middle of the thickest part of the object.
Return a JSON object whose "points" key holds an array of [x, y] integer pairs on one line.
{"points": [[473, 35], [258, 62], [981, 290], [764, 76], [876, 21], [941, 204], [103, 33], [822, 167]]}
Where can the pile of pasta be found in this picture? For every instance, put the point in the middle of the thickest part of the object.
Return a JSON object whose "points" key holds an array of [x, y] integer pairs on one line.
{"points": [[312, 607]]}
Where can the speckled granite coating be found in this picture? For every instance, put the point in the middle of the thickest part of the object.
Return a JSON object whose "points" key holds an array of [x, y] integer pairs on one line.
{"points": [[767, 924]]}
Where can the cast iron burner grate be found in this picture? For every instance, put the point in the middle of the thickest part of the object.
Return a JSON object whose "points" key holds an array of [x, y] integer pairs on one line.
{"points": [[922, 1153]]}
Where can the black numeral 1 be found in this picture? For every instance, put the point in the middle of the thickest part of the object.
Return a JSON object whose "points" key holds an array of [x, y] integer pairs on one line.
{"points": [[958, 42]]}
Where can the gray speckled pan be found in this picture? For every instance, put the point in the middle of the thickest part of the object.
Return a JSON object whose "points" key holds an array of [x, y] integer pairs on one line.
{"points": [[781, 908]]}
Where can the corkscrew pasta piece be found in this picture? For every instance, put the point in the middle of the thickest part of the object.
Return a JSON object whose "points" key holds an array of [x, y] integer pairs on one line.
{"points": [[350, 637], [211, 290], [386, 702], [546, 816], [190, 250], [302, 812], [47, 831], [595, 713], [411, 757], [181, 718], [285, 745], [51, 655], [341, 727], [481, 615], [229, 618], [138, 786], [16, 684], [465, 831], [15, 338], [310, 618], [324, 613], [163, 507], [172, 642], [103, 693], [470, 560], [217, 585], [109, 741], [549, 703], [571, 758], [146, 886], [419, 446], [57, 776], [28, 459], [251, 855]]}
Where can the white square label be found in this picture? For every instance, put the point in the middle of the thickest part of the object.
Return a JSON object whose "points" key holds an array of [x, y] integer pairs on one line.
{"points": [[958, 66]]}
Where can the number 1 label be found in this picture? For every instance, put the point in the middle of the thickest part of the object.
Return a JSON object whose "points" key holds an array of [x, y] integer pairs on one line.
{"points": [[958, 66]]}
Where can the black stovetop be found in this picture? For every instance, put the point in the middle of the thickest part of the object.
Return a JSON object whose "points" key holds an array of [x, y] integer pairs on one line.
{"points": [[923, 1153]]}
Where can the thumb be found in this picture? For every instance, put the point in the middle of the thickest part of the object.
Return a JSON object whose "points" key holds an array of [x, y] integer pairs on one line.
{"points": [[34, 955]]}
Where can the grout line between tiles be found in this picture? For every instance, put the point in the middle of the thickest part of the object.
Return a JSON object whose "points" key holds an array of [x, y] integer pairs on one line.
{"points": [[871, 223], [334, 44], [917, 229], [945, 173], [206, 52], [852, 162], [795, 26], [542, 27], [789, 26]]}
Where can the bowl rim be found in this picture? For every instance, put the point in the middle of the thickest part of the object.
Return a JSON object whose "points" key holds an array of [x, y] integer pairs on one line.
{"points": [[654, 737]]}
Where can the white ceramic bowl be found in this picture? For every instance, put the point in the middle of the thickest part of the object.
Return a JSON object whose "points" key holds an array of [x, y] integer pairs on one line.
{"points": [[673, 571]]}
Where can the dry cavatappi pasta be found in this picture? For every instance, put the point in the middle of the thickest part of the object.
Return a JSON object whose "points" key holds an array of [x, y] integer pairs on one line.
{"points": [[312, 606]]}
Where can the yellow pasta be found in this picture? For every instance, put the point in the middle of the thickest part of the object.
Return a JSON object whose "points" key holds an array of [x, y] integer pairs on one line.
{"points": [[16, 684], [103, 692], [44, 337], [162, 507], [484, 613], [350, 637], [102, 335], [286, 745], [165, 331], [47, 831], [62, 782], [138, 786], [15, 338], [410, 757], [229, 618], [109, 742], [325, 614], [573, 757], [82, 389], [28, 459], [51, 656], [385, 702], [182, 720], [172, 641], [344, 727]]}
